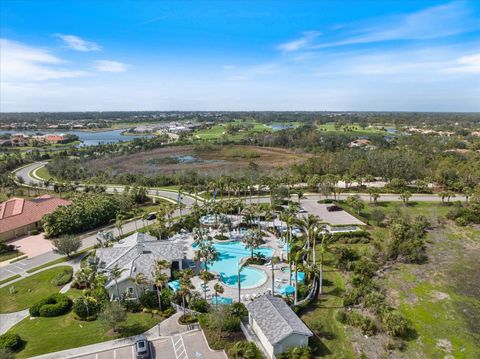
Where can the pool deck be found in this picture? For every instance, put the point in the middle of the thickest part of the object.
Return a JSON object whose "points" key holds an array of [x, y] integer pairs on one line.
{"points": [[271, 241]]}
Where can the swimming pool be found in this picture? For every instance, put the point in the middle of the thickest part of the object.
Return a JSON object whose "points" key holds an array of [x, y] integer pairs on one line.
{"points": [[227, 265]]}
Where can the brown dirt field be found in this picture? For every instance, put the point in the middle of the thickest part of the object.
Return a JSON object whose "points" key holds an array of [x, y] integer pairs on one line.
{"points": [[206, 160]]}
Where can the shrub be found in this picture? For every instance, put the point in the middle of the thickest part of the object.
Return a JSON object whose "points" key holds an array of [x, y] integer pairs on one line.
{"points": [[297, 353], [220, 237], [52, 306], [376, 301], [187, 319], [342, 316], [149, 299], [395, 323], [6, 248], [168, 312], [199, 305], [33, 232], [366, 325], [63, 277], [239, 310], [10, 341], [244, 350], [132, 306], [86, 307]]}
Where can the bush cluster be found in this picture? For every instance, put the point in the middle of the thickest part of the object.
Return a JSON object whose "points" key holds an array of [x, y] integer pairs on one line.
{"points": [[297, 353], [10, 341], [244, 350], [366, 325], [52, 306], [63, 277], [149, 299], [86, 308]]}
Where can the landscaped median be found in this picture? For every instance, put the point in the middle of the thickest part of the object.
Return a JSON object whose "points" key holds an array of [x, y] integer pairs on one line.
{"points": [[26, 292]]}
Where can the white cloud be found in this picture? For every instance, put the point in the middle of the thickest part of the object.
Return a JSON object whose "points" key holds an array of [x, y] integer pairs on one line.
{"points": [[19, 62], [110, 66], [299, 43], [78, 44], [431, 23], [469, 64]]}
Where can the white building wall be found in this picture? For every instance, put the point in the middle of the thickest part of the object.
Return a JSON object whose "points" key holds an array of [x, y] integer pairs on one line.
{"points": [[293, 340], [263, 339]]}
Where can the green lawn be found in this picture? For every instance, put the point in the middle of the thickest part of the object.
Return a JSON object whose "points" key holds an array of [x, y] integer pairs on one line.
{"points": [[353, 129], [45, 335], [331, 339], [428, 209], [10, 255], [43, 173], [22, 294]]}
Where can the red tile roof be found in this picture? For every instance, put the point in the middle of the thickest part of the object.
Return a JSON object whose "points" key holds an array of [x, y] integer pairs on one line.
{"points": [[19, 212]]}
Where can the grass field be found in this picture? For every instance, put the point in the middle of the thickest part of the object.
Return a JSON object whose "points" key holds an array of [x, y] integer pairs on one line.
{"points": [[210, 159], [22, 294], [354, 129], [440, 298], [43, 173], [330, 339], [45, 335]]}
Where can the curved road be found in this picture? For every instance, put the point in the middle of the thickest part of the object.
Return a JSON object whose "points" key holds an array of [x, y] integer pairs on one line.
{"points": [[27, 174]]}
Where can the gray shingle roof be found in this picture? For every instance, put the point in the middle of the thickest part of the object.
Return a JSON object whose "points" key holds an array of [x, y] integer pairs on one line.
{"points": [[276, 319], [125, 254]]}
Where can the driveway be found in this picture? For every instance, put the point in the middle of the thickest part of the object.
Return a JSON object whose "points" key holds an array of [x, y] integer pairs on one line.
{"points": [[33, 245]]}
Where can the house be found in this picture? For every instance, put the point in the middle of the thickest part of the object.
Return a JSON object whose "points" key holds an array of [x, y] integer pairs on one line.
{"points": [[361, 142], [137, 254], [276, 325], [18, 216], [55, 139]]}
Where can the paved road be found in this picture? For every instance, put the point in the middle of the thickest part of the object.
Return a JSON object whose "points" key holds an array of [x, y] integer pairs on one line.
{"points": [[27, 174]]}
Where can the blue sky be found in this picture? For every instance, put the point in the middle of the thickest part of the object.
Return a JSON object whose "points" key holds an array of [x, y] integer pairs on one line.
{"points": [[240, 55]]}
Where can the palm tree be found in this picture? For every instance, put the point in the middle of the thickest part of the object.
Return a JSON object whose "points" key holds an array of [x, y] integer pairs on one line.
{"points": [[139, 280], [326, 239], [206, 277], [185, 286], [298, 259], [119, 223], [160, 278], [116, 273], [309, 225], [275, 260], [253, 240], [218, 290]]}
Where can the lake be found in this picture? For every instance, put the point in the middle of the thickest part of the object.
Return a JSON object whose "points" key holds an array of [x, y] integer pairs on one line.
{"points": [[88, 138]]}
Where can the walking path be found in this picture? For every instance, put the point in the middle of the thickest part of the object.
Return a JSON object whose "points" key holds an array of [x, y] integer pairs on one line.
{"points": [[8, 320]]}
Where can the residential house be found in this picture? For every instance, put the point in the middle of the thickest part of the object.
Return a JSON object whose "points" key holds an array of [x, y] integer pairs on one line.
{"points": [[136, 254], [18, 216], [276, 325]]}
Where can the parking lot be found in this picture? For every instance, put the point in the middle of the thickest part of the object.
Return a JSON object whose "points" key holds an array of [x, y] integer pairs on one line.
{"points": [[181, 346], [334, 218]]}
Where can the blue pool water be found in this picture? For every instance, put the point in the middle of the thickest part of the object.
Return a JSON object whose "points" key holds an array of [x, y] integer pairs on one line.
{"points": [[227, 265]]}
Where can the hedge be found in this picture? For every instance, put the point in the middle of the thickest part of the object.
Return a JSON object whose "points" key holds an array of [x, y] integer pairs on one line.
{"points": [[63, 277], [10, 341], [52, 306]]}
